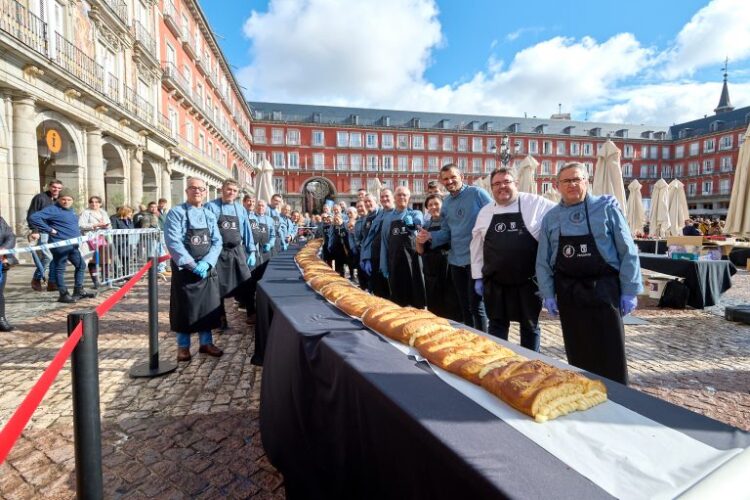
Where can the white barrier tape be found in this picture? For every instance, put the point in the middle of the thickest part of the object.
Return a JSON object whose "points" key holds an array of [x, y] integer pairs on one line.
{"points": [[75, 241]]}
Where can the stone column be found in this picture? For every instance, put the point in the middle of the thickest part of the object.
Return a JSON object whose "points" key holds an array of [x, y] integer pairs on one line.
{"points": [[166, 182], [25, 158], [136, 176], [94, 164]]}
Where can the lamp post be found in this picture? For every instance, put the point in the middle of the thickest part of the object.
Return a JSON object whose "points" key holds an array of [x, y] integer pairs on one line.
{"points": [[503, 154]]}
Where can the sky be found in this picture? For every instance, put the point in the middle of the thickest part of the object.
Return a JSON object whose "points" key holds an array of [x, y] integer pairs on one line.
{"points": [[638, 62]]}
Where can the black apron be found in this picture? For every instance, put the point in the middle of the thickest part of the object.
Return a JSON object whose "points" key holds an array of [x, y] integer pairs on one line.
{"points": [[440, 294], [194, 303], [232, 264], [510, 291], [261, 237], [588, 296], [340, 247], [378, 283], [404, 266], [277, 227]]}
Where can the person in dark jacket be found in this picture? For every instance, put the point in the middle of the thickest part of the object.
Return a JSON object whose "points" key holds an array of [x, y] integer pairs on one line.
{"points": [[60, 222], [38, 202], [7, 240], [691, 229]]}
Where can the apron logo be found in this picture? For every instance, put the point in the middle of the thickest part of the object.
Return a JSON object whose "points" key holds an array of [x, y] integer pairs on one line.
{"points": [[205, 238], [254, 226], [195, 240], [512, 225], [568, 251], [225, 224], [584, 248], [395, 231], [576, 217], [500, 227]]}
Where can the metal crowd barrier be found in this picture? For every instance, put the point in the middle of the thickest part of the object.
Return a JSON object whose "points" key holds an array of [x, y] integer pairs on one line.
{"points": [[119, 253]]}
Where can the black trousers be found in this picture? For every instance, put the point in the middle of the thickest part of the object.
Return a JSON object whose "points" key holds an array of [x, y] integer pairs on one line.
{"points": [[471, 304], [252, 287]]}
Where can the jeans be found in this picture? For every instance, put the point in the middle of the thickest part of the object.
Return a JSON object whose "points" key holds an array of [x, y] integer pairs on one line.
{"points": [[205, 338], [45, 261], [530, 337], [60, 256], [471, 304]]}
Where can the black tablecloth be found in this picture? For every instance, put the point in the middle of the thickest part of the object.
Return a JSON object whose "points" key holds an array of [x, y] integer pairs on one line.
{"points": [[648, 246], [345, 415], [706, 279]]}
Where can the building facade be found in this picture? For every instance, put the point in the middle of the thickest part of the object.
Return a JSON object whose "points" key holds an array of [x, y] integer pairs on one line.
{"points": [[320, 150], [88, 95]]}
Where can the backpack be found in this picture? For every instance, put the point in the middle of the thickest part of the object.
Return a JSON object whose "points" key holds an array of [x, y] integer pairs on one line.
{"points": [[675, 295]]}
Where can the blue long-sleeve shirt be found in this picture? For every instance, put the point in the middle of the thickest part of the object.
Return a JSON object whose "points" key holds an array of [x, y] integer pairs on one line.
{"points": [[268, 221], [290, 228], [63, 221], [359, 228], [175, 228], [219, 208], [611, 233], [457, 217], [365, 253], [388, 218], [281, 228]]}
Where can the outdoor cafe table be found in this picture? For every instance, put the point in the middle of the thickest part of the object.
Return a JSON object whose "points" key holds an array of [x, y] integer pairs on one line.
{"points": [[706, 279], [345, 415]]}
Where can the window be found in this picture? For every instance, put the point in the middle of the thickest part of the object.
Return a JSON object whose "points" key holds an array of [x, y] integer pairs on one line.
{"points": [[318, 138], [292, 137], [693, 168], [517, 146], [402, 141], [476, 144], [278, 185], [489, 165], [388, 183], [708, 166], [404, 183], [293, 160], [387, 163], [726, 163], [432, 163], [724, 187], [666, 171], [355, 185], [575, 149], [546, 186], [259, 135], [533, 147], [627, 151], [561, 163], [665, 153], [694, 148], [210, 150], [546, 167], [174, 122], [201, 142], [403, 163], [709, 145], [476, 165], [691, 189], [386, 141], [277, 136], [342, 162], [644, 152], [547, 147], [725, 143], [417, 142], [418, 186], [372, 163], [318, 161], [588, 149], [356, 162], [432, 143], [561, 149], [447, 143], [492, 145], [653, 152], [446, 160], [627, 170], [371, 140], [417, 164], [463, 144], [462, 163], [342, 139], [708, 187], [189, 133], [278, 159], [679, 151], [355, 140]]}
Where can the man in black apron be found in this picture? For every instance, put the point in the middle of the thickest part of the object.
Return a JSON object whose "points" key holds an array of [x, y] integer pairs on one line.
{"points": [[238, 250], [194, 244], [264, 235], [274, 210], [359, 234], [588, 260], [370, 256], [399, 261], [503, 258]]}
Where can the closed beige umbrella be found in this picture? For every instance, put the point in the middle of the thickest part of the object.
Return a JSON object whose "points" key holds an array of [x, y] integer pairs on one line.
{"points": [[678, 207], [636, 213], [659, 222], [738, 216], [608, 174], [526, 175], [553, 195], [373, 187], [264, 180]]}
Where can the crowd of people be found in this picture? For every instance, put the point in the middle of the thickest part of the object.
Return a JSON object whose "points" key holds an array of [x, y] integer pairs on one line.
{"points": [[703, 227]]}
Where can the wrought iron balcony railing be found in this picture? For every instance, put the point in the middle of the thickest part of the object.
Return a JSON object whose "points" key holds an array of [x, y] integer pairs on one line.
{"points": [[143, 37], [138, 105], [76, 62], [23, 25], [120, 8]]}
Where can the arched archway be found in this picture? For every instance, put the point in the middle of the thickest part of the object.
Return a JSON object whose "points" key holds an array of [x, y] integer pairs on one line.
{"points": [[63, 160], [314, 193], [150, 183], [115, 187]]}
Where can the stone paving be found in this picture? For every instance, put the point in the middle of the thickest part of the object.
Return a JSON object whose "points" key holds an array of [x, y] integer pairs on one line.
{"points": [[194, 433]]}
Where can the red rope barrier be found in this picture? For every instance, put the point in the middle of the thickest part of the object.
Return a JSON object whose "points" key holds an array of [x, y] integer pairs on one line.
{"points": [[105, 306]]}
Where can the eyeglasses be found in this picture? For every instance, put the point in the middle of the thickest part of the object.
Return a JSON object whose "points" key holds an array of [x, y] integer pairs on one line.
{"points": [[575, 181], [196, 188], [502, 184]]}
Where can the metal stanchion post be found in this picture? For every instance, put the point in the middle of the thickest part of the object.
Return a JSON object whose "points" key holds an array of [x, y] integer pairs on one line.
{"points": [[86, 418], [153, 367]]}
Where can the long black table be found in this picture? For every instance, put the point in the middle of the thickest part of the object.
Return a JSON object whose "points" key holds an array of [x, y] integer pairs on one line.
{"points": [[650, 246], [706, 279], [345, 415]]}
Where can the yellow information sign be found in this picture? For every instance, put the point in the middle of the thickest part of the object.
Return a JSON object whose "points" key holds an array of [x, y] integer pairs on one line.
{"points": [[54, 141]]}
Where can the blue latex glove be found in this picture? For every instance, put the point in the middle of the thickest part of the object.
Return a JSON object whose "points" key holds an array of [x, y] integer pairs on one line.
{"points": [[266, 247], [479, 287], [408, 220], [367, 267], [627, 304], [284, 245], [551, 306], [201, 269], [251, 259]]}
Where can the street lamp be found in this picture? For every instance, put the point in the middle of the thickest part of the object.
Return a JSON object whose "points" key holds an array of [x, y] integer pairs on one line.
{"points": [[503, 154]]}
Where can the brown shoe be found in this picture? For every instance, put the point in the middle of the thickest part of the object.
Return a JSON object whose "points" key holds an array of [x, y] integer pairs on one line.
{"points": [[183, 354], [36, 285], [211, 350], [51, 287]]}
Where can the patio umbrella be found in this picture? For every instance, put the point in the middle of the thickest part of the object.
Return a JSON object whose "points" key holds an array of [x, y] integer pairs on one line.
{"points": [[264, 180], [678, 207], [526, 179], [374, 186], [553, 195], [659, 220], [738, 216], [483, 182], [608, 174], [636, 214]]}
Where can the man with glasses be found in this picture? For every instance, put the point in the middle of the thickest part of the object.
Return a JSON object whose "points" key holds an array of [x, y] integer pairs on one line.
{"points": [[37, 237], [503, 258], [588, 271], [370, 254]]}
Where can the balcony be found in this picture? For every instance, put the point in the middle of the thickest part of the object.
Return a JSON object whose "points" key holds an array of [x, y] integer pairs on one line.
{"points": [[170, 18], [112, 88], [137, 105], [113, 13], [77, 63], [145, 45], [174, 80], [200, 63], [188, 44], [18, 22], [165, 126]]}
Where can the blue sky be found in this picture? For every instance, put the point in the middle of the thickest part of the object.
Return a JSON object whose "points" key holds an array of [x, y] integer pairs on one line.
{"points": [[639, 62]]}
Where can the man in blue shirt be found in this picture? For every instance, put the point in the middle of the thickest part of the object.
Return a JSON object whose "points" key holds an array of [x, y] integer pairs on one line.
{"points": [[370, 254], [457, 216], [60, 222], [238, 247], [588, 271], [359, 233], [274, 211], [194, 242], [264, 235]]}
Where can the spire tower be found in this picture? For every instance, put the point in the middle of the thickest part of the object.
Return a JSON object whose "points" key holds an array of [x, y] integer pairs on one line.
{"points": [[725, 104]]}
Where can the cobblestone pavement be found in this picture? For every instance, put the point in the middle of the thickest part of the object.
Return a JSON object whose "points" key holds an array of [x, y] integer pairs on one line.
{"points": [[194, 433]]}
